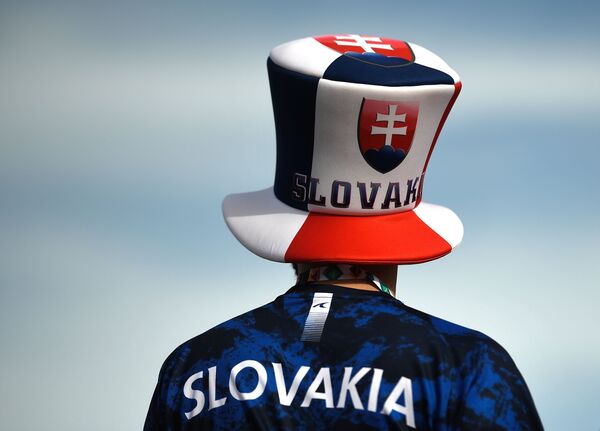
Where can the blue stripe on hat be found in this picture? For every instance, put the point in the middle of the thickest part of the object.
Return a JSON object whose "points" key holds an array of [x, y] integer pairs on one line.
{"points": [[294, 97], [377, 69]]}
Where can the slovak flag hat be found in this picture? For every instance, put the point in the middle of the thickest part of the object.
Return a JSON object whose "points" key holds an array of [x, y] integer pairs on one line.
{"points": [[356, 119]]}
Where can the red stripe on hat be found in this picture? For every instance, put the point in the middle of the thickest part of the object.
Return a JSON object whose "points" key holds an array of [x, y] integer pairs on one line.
{"points": [[395, 238], [457, 88]]}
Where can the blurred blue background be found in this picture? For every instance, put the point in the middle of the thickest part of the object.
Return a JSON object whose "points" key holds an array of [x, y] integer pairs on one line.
{"points": [[117, 145]]}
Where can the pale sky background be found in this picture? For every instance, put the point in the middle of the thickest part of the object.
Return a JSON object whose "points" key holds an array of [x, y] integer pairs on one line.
{"points": [[124, 124]]}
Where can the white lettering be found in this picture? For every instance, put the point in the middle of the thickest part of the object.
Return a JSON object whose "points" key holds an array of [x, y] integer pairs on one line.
{"points": [[260, 385], [323, 377], [404, 385], [212, 390], [349, 387], [374, 391], [286, 398], [399, 400], [193, 394]]}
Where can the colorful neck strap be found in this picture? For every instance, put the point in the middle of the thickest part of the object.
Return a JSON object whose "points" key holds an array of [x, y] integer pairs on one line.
{"points": [[340, 271]]}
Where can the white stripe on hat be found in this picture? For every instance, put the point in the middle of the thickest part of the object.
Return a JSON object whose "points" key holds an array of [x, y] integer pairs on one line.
{"points": [[336, 153], [306, 56], [443, 221], [262, 222]]}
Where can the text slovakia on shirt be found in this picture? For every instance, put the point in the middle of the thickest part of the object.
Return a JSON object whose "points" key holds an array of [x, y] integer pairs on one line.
{"points": [[324, 357]]}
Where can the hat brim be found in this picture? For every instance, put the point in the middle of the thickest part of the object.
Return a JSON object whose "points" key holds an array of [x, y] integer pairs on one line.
{"points": [[272, 230]]}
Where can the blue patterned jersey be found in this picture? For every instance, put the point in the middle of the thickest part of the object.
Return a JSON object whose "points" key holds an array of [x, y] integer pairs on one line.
{"points": [[324, 357]]}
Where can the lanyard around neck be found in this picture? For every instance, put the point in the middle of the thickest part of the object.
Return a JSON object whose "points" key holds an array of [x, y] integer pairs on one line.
{"points": [[339, 271]]}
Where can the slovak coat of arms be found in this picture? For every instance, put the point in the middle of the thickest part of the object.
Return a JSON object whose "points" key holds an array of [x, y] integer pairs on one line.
{"points": [[385, 132]]}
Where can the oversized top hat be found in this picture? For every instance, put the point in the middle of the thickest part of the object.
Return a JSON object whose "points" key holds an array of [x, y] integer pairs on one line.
{"points": [[356, 119]]}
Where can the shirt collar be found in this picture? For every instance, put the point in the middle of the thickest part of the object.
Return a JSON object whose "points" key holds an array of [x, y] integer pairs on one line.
{"points": [[340, 271]]}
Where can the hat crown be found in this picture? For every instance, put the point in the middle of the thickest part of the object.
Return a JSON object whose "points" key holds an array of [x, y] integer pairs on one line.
{"points": [[356, 121]]}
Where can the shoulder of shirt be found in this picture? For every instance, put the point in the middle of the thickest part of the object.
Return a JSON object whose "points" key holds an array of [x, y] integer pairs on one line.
{"points": [[208, 337], [459, 336], [460, 339]]}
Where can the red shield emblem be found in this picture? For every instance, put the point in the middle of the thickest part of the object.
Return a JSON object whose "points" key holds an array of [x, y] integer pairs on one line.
{"points": [[385, 132], [355, 43]]}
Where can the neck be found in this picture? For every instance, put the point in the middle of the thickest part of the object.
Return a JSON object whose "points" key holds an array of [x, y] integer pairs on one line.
{"points": [[386, 273]]}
